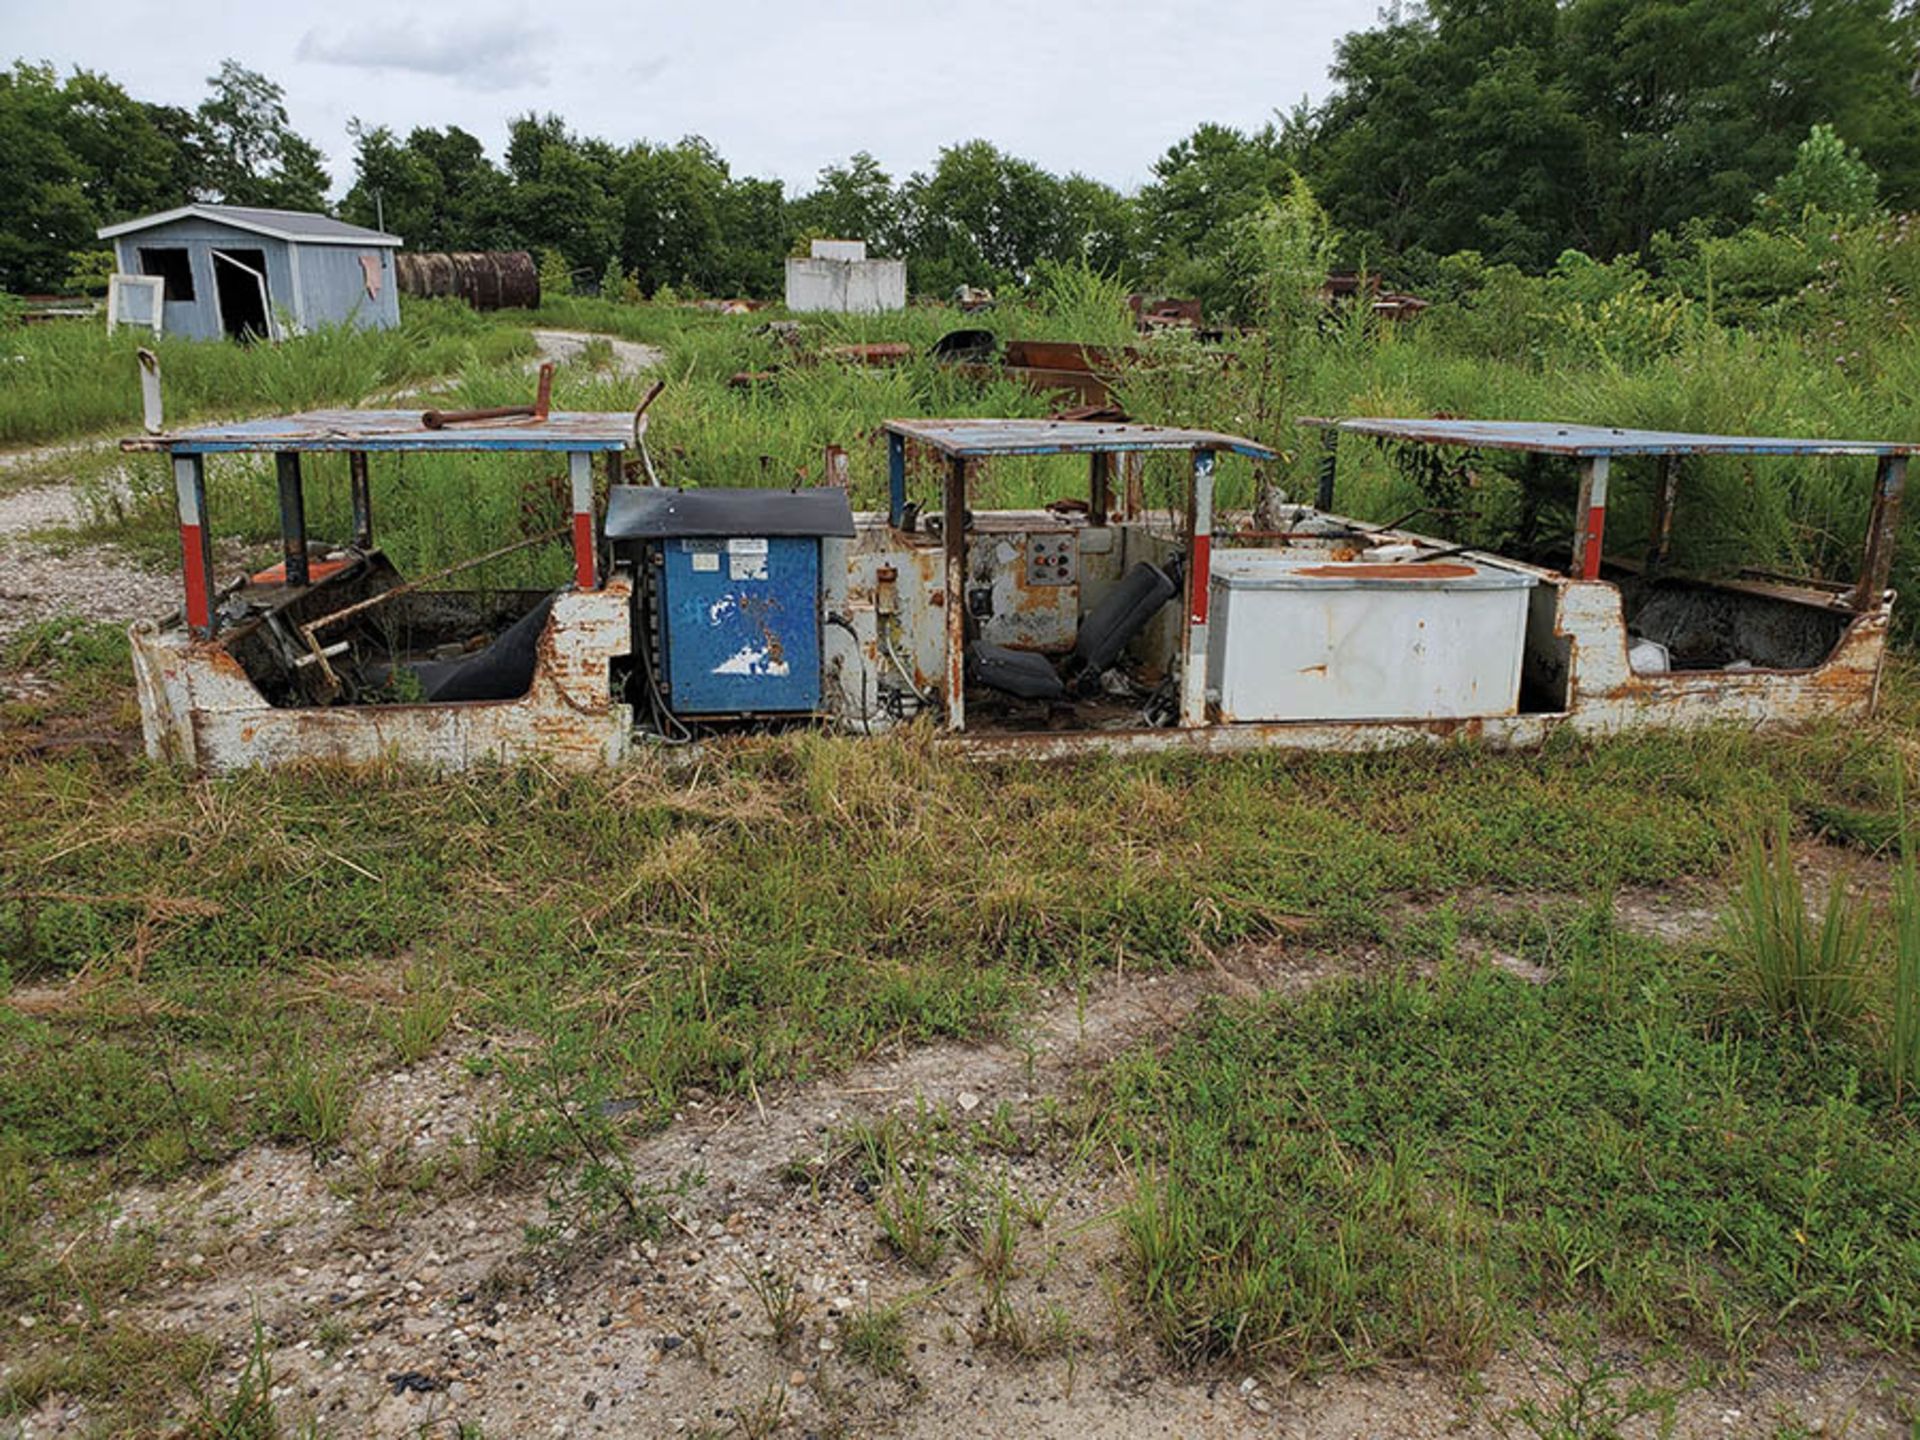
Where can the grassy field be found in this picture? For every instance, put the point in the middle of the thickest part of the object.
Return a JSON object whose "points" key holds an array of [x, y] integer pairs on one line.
{"points": [[1396, 1167], [1549, 353], [1416, 1162], [68, 380]]}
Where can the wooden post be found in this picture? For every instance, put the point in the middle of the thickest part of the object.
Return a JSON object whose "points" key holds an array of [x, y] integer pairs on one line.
{"points": [[1133, 468], [1100, 488], [953, 537], [1889, 483], [293, 517], [1664, 493], [1329, 467]]}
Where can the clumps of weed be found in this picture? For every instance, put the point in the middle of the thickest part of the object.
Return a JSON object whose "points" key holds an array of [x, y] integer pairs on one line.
{"points": [[311, 1104], [877, 1339], [782, 1300], [563, 1120], [1409, 1164], [1586, 1396], [1809, 975], [416, 1026]]}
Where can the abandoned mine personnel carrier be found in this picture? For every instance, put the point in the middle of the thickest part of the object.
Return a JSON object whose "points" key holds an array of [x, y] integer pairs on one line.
{"points": [[1128, 615]]}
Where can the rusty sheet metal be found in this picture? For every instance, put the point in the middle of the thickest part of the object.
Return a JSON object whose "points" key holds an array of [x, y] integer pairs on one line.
{"points": [[886, 352], [1589, 441], [1083, 385], [485, 279], [978, 439], [1607, 697], [1357, 736], [329, 430], [199, 708]]}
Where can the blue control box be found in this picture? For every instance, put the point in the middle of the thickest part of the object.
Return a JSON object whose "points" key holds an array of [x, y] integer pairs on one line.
{"points": [[739, 623]]}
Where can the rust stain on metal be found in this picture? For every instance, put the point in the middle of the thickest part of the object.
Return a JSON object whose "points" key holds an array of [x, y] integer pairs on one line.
{"points": [[1412, 570]]}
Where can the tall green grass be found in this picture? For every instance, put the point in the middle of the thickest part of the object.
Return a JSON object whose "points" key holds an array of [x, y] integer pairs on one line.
{"points": [[64, 380], [1808, 974], [1410, 1165]]}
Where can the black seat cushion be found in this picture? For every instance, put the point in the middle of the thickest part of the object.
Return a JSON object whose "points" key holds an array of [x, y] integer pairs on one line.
{"points": [[1019, 673], [502, 671]]}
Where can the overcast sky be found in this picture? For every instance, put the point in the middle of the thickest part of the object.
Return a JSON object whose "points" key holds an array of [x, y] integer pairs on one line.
{"points": [[780, 89]]}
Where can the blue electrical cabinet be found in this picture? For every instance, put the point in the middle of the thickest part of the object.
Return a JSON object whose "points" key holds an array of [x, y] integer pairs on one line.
{"points": [[740, 624], [732, 594]]}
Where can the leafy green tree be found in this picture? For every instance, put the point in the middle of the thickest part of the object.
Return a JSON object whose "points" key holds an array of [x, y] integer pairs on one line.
{"points": [[1207, 181], [1828, 178], [562, 194], [982, 217], [251, 155], [394, 188], [48, 212], [855, 201]]}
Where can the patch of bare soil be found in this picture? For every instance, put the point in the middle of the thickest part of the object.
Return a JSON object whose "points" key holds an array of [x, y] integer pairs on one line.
{"points": [[397, 1310]]}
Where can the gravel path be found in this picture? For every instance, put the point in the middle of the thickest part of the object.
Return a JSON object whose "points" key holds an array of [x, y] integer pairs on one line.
{"points": [[566, 346]]}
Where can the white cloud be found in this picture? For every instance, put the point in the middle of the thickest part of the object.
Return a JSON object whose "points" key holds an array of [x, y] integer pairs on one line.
{"points": [[502, 54]]}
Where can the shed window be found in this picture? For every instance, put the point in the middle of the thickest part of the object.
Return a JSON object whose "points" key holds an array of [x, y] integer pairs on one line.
{"points": [[172, 264]]}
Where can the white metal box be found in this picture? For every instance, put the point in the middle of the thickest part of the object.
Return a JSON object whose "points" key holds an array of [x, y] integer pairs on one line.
{"points": [[1303, 637]]}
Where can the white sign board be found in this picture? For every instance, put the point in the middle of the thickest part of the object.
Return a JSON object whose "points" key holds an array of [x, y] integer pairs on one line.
{"points": [[136, 300]]}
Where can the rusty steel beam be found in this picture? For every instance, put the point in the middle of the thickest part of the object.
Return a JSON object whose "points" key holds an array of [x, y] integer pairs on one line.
{"points": [[1889, 483], [293, 517], [362, 499]]}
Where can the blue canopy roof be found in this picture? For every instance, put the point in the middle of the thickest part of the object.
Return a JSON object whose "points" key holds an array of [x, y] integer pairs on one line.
{"points": [[1548, 437]]}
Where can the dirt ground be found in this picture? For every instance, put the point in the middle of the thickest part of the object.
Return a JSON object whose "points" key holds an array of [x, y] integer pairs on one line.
{"points": [[390, 1313], [405, 1316]]}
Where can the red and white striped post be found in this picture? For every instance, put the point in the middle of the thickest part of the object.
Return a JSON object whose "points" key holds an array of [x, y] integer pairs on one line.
{"points": [[196, 545], [585, 558], [1590, 519], [1193, 670]]}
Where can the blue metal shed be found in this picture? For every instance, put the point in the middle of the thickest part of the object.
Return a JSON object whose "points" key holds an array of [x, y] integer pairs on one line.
{"points": [[233, 270]]}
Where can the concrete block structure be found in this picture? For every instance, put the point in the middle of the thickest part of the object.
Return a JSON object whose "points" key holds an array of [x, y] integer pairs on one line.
{"points": [[838, 276]]}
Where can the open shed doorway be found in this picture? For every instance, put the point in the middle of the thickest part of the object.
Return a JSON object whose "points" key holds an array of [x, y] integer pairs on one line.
{"points": [[240, 284]]}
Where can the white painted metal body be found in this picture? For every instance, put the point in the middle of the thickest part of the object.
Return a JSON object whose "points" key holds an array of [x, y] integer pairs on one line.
{"points": [[1296, 639]]}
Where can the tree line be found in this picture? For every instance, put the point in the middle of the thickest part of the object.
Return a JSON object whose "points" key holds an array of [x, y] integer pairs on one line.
{"points": [[1511, 130]]}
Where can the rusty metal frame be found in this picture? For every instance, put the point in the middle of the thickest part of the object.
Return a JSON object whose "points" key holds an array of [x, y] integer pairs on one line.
{"points": [[962, 442], [1593, 448]]}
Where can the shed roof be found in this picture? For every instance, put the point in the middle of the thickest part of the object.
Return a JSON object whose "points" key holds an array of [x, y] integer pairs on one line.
{"points": [[299, 225], [324, 430], [970, 439], [1546, 437]]}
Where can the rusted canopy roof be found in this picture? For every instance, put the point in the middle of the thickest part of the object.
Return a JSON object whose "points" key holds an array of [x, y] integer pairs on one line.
{"points": [[395, 430], [976, 439], [1550, 438]]}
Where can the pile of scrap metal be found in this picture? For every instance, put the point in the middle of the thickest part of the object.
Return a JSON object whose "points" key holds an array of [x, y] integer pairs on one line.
{"points": [[787, 334], [1345, 286], [1134, 618], [1081, 373]]}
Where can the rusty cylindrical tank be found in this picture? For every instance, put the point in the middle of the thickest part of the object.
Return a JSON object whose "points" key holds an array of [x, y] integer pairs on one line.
{"points": [[485, 279]]}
